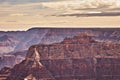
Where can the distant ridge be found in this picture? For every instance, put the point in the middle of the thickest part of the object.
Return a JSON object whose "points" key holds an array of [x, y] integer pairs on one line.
{"points": [[22, 40]]}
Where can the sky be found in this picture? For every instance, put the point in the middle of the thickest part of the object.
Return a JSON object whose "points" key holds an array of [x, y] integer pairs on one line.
{"points": [[25, 14]]}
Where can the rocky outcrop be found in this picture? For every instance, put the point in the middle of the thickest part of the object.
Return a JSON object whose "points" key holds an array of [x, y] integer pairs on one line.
{"points": [[77, 58], [30, 69], [78, 46]]}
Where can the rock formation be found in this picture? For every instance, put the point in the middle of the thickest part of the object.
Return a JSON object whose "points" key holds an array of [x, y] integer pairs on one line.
{"points": [[78, 58], [30, 69], [19, 41], [22, 40]]}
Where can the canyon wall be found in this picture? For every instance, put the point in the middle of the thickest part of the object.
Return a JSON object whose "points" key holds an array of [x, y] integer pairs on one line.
{"points": [[16, 42], [77, 58]]}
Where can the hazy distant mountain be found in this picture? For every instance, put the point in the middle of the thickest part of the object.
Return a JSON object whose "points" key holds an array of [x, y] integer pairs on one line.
{"points": [[7, 43], [22, 40]]}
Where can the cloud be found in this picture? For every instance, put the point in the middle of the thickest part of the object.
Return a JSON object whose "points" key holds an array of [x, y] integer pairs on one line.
{"points": [[86, 7], [27, 1], [18, 14], [58, 7], [91, 14], [28, 9], [11, 21], [74, 4], [59, 13]]}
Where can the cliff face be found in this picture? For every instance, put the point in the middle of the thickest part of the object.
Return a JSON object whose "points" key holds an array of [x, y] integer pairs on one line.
{"points": [[77, 47], [18, 41], [77, 58], [22, 40]]}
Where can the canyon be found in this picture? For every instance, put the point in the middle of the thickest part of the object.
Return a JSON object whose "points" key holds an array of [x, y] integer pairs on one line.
{"points": [[13, 41], [80, 57]]}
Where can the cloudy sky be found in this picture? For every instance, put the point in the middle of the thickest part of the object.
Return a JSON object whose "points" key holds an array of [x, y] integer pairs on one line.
{"points": [[24, 14]]}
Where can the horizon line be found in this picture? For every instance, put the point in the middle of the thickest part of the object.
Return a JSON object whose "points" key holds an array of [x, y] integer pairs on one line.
{"points": [[62, 27]]}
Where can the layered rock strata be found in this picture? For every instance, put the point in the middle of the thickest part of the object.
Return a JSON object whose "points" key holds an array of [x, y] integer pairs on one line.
{"points": [[77, 58]]}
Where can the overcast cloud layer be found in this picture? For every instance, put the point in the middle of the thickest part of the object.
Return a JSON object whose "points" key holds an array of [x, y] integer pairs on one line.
{"points": [[57, 12], [97, 7], [59, 7], [27, 1]]}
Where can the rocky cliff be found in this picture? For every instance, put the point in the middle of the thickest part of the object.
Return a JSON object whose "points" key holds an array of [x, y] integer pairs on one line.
{"points": [[22, 40], [78, 58], [18, 41]]}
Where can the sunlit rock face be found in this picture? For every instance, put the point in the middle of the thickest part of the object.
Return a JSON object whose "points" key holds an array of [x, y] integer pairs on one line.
{"points": [[30, 69], [80, 57]]}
